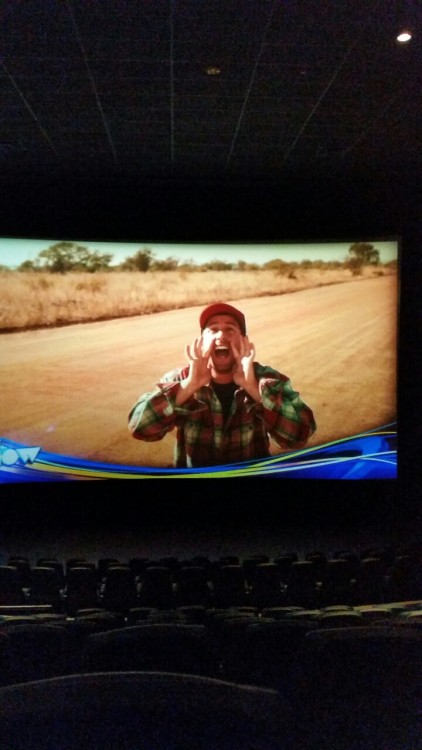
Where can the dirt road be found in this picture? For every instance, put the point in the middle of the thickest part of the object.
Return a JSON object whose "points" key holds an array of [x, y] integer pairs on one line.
{"points": [[70, 389]]}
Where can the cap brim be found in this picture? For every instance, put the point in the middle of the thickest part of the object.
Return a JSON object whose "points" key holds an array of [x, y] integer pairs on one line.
{"points": [[222, 308]]}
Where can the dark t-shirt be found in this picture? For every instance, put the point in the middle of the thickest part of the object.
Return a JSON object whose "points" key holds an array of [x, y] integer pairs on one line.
{"points": [[225, 393]]}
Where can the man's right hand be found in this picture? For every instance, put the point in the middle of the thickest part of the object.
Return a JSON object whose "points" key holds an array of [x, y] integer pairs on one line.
{"points": [[199, 375]]}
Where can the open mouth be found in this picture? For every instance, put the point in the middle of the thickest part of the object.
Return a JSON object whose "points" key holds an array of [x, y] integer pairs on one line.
{"points": [[221, 352]]}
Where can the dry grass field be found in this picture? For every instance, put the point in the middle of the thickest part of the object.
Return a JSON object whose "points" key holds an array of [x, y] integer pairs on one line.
{"points": [[36, 300]]}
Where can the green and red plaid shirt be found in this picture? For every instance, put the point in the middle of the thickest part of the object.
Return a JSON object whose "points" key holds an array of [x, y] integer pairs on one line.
{"points": [[203, 438]]}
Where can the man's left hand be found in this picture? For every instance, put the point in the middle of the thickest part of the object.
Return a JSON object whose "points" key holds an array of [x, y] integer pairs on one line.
{"points": [[243, 370]]}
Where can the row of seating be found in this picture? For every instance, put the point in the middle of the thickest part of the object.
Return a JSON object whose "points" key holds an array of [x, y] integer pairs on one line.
{"points": [[164, 711], [315, 581], [144, 711], [322, 670], [239, 644], [309, 668]]}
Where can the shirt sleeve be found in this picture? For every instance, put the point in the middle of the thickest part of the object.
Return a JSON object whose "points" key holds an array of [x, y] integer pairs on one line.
{"points": [[155, 413], [287, 418]]}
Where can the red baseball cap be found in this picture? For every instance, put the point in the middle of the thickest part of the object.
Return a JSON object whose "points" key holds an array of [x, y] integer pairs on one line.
{"points": [[221, 308]]}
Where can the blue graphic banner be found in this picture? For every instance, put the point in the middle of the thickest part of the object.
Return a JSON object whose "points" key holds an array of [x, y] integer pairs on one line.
{"points": [[369, 455]]}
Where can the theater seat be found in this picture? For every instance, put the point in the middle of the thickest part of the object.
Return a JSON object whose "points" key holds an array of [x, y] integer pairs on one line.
{"points": [[266, 589], [229, 587], [118, 590], [362, 687], [38, 650], [11, 591], [143, 711], [156, 588], [172, 647], [81, 589]]}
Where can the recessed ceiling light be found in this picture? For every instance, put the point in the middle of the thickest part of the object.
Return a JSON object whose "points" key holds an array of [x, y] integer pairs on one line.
{"points": [[404, 36], [212, 70]]}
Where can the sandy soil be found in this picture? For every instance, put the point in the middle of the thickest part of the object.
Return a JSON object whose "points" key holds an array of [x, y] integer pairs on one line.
{"points": [[70, 389]]}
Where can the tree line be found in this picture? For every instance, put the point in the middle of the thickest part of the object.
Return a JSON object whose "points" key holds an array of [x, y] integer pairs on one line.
{"points": [[64, 257]]}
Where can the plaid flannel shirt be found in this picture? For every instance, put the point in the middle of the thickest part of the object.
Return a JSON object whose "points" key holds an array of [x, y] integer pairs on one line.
{"points": [[202, 437]]}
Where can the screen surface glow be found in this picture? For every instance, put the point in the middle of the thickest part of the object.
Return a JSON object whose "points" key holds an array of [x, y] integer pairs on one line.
{"points": [[80, 347]]}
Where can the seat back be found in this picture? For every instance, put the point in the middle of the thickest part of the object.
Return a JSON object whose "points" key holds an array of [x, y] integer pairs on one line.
{"points": [[82, 589], [156, 588], [118, 590], [11, 591], [137, 710], [229, 586], [266, 589], [46, 587], [172, 646], [362, 688], [363, 663], [38, 650], [192, 587]]}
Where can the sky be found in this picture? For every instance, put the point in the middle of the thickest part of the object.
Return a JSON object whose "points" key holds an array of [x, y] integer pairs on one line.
{"points": [[13, 251]]}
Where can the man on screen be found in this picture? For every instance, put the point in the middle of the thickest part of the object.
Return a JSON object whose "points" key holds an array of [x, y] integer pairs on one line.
{"points": [[223, 404]]}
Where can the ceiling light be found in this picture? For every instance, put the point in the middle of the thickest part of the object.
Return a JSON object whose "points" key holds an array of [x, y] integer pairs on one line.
{"points": [[404, 36], [213, 71]]}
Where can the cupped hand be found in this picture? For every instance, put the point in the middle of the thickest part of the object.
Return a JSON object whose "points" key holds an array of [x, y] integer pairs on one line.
{"points": [[243, 370], [198, 353]]}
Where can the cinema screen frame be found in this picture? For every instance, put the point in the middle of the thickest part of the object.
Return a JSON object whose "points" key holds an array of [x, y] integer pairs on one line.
{"points": [[325, 313]]}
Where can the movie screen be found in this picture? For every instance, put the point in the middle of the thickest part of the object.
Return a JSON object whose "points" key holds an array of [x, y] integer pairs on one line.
{"points": [[87, 328]]}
